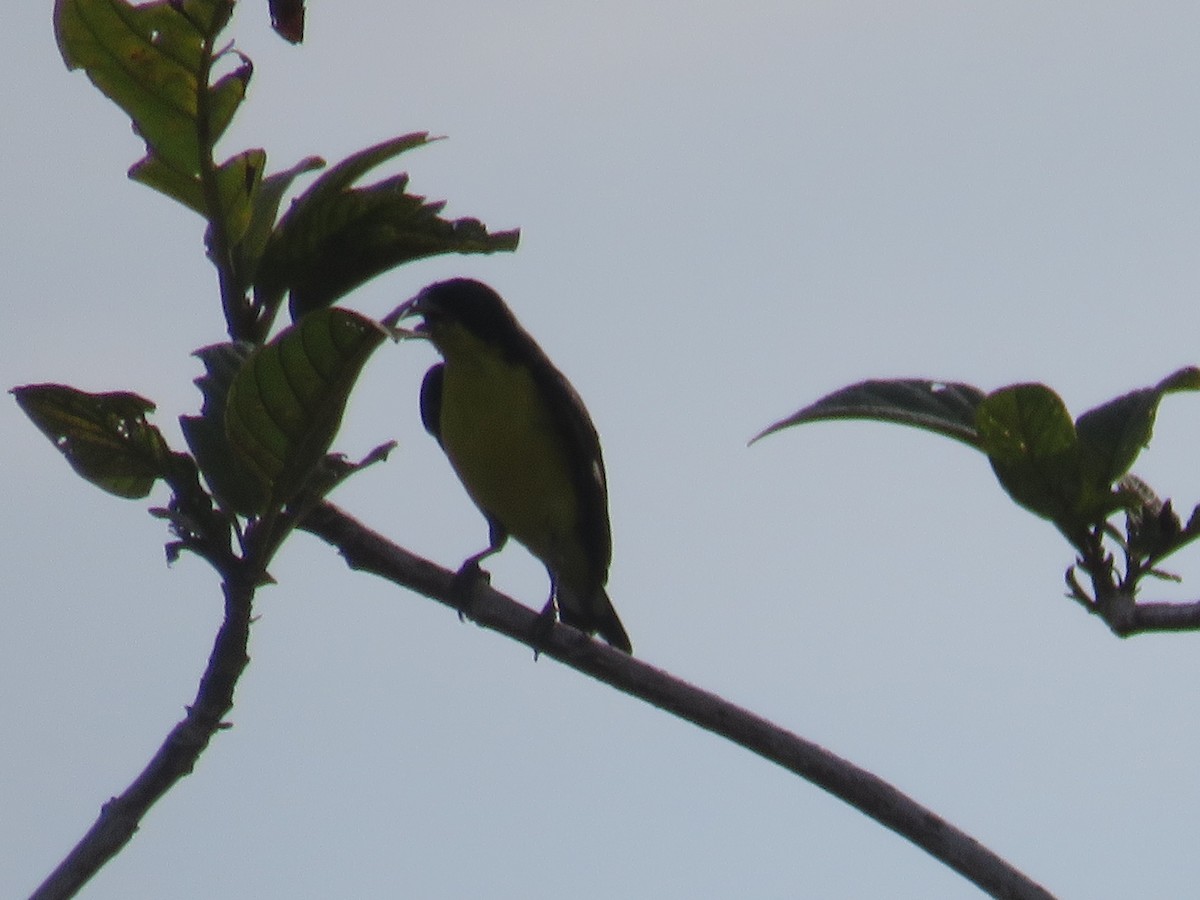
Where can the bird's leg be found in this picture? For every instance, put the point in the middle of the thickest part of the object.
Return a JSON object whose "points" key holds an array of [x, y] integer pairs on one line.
{"points": [[469, 574], [545, 620]]}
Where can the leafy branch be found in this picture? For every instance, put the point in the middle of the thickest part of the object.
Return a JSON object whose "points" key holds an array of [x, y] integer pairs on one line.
{"points": [[259, 456], [157, 61], [1073, 473]]}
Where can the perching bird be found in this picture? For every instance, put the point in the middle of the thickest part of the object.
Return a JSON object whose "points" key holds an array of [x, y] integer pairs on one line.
{"points": [[522, 444]]}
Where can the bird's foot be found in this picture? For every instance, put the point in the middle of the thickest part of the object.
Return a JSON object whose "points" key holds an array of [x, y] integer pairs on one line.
{"points": [[542, 626], [462, 588]]}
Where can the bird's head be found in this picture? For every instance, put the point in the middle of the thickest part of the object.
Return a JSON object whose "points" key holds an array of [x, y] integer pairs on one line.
{"points": [[460, 303]]}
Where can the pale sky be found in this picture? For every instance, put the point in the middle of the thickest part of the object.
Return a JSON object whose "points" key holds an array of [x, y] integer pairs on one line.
{"points": [[726, 212]]}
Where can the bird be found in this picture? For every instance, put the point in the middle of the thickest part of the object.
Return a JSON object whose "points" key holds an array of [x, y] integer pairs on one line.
{"points": [[523, 445]]}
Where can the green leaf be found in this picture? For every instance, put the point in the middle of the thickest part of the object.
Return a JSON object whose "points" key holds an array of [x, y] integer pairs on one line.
{"points": [[235, 487], [105, 437], [264, 211], [1032, 445], [286, 402], [942, 407], [1186, 379], [353, 167], [179, 186], [1061, 470], [150, 60], [237, 183], [336, 237], [1113, 434], [226, 95]]}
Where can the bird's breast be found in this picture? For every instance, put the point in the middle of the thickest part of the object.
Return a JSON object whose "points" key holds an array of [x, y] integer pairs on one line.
{"points": [[498, 431]]}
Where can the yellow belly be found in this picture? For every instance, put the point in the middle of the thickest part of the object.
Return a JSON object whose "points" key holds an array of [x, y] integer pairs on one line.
{"points": [[499, 438]]}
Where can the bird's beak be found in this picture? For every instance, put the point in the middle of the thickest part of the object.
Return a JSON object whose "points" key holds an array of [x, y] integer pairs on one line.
{"points": [[406, 310]]}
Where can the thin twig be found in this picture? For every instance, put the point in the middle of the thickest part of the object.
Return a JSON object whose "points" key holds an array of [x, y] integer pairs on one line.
{"points": [[119, 817]]}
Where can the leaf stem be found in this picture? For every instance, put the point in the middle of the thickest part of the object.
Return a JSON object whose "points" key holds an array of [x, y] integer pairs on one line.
{"points": [[239, 317]]}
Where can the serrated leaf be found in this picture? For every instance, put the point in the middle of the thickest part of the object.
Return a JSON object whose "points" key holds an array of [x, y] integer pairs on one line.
{"points": [[235, 487], [149, 60], [237, 181], [356, 165], [286, 403], [943, 407], [143, 58], [336, 237], [264, 211], [105, 437]]}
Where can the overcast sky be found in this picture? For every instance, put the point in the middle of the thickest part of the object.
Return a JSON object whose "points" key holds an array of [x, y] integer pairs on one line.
{"points": [[727, 210]]}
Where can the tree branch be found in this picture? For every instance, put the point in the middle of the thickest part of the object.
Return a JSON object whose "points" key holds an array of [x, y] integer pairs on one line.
{"points": [[1163, 617], [1125, 617], [369, 551], [119, 817], [1114, 600]]}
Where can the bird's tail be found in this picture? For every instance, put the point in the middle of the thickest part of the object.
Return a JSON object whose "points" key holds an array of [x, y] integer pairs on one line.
{"points": [[592, 612]]}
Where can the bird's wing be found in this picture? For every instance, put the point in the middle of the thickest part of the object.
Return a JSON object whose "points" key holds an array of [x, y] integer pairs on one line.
{"points": [[587, 463], [431, 401]]}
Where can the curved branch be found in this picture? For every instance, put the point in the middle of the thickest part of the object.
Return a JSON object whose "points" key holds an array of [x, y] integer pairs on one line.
{"points": [[369, 551], [119, 817], [1114, 600], [1125, 617], [1163, 617]]}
